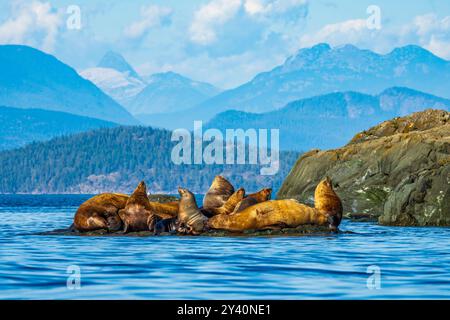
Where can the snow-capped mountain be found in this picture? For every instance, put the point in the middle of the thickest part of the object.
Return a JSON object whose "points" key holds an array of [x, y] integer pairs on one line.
{"points": [[118, 85], [158, 93], [170, 92], [116, 77], [30, 78], [115, 61]]}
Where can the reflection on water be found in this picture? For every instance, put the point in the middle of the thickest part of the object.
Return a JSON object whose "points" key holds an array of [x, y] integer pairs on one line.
{"points": [[414, 262]]}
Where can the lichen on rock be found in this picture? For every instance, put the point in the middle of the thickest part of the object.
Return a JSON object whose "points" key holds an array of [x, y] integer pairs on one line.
{"points": [[397, 172]]}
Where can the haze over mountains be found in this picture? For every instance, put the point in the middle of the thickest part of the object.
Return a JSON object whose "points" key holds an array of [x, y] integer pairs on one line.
{"points": [[170, 92], [319, 97], [321, 70], [329, 121], [159, 93], [30, 78], [19, 127]]}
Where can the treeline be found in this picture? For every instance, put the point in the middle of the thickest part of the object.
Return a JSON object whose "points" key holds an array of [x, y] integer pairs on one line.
{"points": [[116, 159]]}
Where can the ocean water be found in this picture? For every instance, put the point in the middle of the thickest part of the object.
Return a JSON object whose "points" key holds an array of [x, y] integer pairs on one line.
{"points": [[366, 262]]}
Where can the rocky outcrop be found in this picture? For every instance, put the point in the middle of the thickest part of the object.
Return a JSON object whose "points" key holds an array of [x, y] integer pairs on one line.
{"points": [[397, 172]]}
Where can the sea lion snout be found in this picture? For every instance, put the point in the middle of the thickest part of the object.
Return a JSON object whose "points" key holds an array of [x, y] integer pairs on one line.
{"points": [[182, 191], [334, 222]]}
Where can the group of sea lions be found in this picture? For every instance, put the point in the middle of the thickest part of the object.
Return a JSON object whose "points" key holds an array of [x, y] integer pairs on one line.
{"points": [[224, 208]]}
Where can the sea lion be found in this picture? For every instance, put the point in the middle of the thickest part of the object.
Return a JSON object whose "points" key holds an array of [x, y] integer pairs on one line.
{"points": [[165, 210], [137, 214], [252, 199], [219, 192], [327, 201], [191, 220], [285, 213], [272, 214], [167, 225], [100, 212], [228, 206]]}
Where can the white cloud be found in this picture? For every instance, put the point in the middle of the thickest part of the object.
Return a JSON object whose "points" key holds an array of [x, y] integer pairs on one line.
{"points": [[32, 23], [151, 16], [254, 7], [433, 33], [217, 12], [350, 31], [210, 16], [427, 31]]}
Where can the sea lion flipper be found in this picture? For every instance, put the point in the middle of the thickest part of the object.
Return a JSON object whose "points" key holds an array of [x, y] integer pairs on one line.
{"points": [[96, 222], [152, 221]]}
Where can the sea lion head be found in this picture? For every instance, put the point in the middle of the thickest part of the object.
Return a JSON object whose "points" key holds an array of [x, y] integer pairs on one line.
{"points": [[240, 193], [190, 218], [219, 192], [185, 194], [141, 188], [327, 201], [266, 194]]}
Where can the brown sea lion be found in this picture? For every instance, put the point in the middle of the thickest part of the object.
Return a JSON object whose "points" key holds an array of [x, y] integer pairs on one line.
{"points": [[100, 212], [285, 213], [228, 207], [165, 210], [167, 225], [190, 217], [327, 201], [219, 192], [137, 214], [269, 215], [252, 199]]}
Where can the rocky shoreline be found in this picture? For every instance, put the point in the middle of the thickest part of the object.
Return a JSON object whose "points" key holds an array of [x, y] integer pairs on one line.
{"points": [[299, 231], [396, 173]]}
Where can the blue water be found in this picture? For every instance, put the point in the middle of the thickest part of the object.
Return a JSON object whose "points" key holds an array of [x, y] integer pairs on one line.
{"points": [[414, 262]]}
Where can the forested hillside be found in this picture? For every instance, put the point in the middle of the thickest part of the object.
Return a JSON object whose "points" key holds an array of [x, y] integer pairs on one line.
{"points": [[19, 127], [116, 159]]}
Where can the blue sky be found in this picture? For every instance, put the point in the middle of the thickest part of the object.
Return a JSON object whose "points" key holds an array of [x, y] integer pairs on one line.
{"points": [[225, 42]]}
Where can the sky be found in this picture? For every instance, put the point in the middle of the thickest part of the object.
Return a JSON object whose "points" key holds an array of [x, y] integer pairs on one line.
{"points": [[223, 42]]}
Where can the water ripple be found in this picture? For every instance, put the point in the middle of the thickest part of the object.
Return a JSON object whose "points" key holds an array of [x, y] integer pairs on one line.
{"points": [[414, 262]]}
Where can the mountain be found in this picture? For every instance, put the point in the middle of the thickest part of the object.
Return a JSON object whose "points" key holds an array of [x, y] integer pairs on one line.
{"points": [[115, 61], [116, 77], [328, 121], [31, 78], [116, 159], [22, 126], [170, 92], [120, 86], [159, 93], [396, 172], [321, 70]]}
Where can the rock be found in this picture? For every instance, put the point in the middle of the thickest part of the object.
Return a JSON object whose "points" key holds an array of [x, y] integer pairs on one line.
{"points": [[299, 231], [397, 172]]}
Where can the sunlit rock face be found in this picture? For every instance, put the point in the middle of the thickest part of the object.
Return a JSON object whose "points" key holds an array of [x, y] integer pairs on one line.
{"points": [[397, 172]]}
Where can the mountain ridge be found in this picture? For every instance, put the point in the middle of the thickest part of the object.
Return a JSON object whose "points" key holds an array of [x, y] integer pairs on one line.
{"points": [[30, 77], [322, 69], [329, 120], [19, 127]]}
